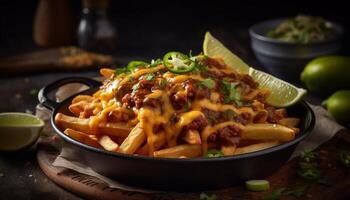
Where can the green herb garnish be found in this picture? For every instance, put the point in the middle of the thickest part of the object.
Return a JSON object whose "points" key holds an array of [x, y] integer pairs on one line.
{"points": [[302, 29], [149, 77], [213, 153], [229, 114], [232, 95], [310, 174], [156, 62], [135, 88], [204, 196], [122, 70], [208, 83], [135, 64]]}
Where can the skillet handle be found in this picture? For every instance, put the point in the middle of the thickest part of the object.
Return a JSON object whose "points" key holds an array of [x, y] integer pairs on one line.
{"points": [[51, 104]]}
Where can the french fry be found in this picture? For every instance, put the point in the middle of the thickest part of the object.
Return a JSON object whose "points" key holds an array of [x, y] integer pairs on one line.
{"points": [[228, 150], [134, 140], [106, 72], [192, 137], [159, 141], [79, 98], [82, 137], [114, 129], [289, 122], [143, 150], [187, 150], [77, 108], [255, 147], [107, 143], [261, 116], [267, 132], [281, 112]]}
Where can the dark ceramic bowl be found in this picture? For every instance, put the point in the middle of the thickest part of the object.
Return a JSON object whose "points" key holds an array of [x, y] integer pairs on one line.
{"points": [[172, 173], [285, 59]]}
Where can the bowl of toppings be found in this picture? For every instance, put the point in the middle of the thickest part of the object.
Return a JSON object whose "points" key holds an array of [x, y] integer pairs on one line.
{"points": [[183, 122], [285, 45]]}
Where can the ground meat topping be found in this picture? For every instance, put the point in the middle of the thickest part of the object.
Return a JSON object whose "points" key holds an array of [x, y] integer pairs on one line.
{"points": [[229, 135]]}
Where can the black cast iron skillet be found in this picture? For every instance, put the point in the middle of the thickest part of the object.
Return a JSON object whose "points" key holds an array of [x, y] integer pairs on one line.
{"points": [[177, 174]]}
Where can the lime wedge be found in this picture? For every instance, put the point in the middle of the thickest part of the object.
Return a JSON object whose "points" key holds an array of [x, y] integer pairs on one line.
{"points": [[213, 47], [282, 94], [18, 130], [257, 185]]}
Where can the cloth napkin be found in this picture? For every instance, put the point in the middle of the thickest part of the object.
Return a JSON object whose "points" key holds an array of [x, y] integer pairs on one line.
{"points": [[325, 128]]}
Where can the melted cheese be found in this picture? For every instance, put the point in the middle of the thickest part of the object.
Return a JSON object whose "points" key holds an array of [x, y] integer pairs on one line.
{"points": [[148, 117], [187, 118], [101, 118], [139, 73]]}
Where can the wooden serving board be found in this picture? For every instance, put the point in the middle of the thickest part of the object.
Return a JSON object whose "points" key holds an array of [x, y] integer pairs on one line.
{"points": [[92, 188]]}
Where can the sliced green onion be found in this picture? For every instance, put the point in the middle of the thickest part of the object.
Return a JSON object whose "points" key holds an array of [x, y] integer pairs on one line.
{"points": [[257, 185]]}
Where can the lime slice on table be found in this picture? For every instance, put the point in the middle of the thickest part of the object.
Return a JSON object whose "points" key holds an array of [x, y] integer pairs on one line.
{"points": [[282, 94], [18, 130], [257, 185]]}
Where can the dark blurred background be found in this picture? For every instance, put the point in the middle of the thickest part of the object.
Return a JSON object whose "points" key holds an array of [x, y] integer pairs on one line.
{"points": [[148, 29]]}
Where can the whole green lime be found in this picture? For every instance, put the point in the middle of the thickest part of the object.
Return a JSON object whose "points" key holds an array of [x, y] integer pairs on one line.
{"points": [[339, 105], [327, 74]]}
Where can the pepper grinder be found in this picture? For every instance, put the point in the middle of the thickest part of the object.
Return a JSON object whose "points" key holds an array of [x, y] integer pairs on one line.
{"points": [[53, 23], [95, 31]]}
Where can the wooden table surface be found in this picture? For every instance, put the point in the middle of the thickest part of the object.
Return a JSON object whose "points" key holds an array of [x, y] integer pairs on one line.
{"points": [[20, 176]]}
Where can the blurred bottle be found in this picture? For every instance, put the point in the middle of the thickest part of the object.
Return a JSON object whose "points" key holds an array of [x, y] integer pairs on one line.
{"points": [[53, 23], [95, 31]]}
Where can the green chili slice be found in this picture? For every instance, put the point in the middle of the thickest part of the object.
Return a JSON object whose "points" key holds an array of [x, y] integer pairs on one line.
{"points": [[135, 64], [178, 63], [310, 174]]}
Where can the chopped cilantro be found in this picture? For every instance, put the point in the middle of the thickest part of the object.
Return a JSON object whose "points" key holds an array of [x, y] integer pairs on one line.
{"points": [[199, 67], [232, 95], [135, 88], [229, 114], [119, 71], [156, 62], [190, 54], [149, 77], [213, 153], [208, 82]]}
